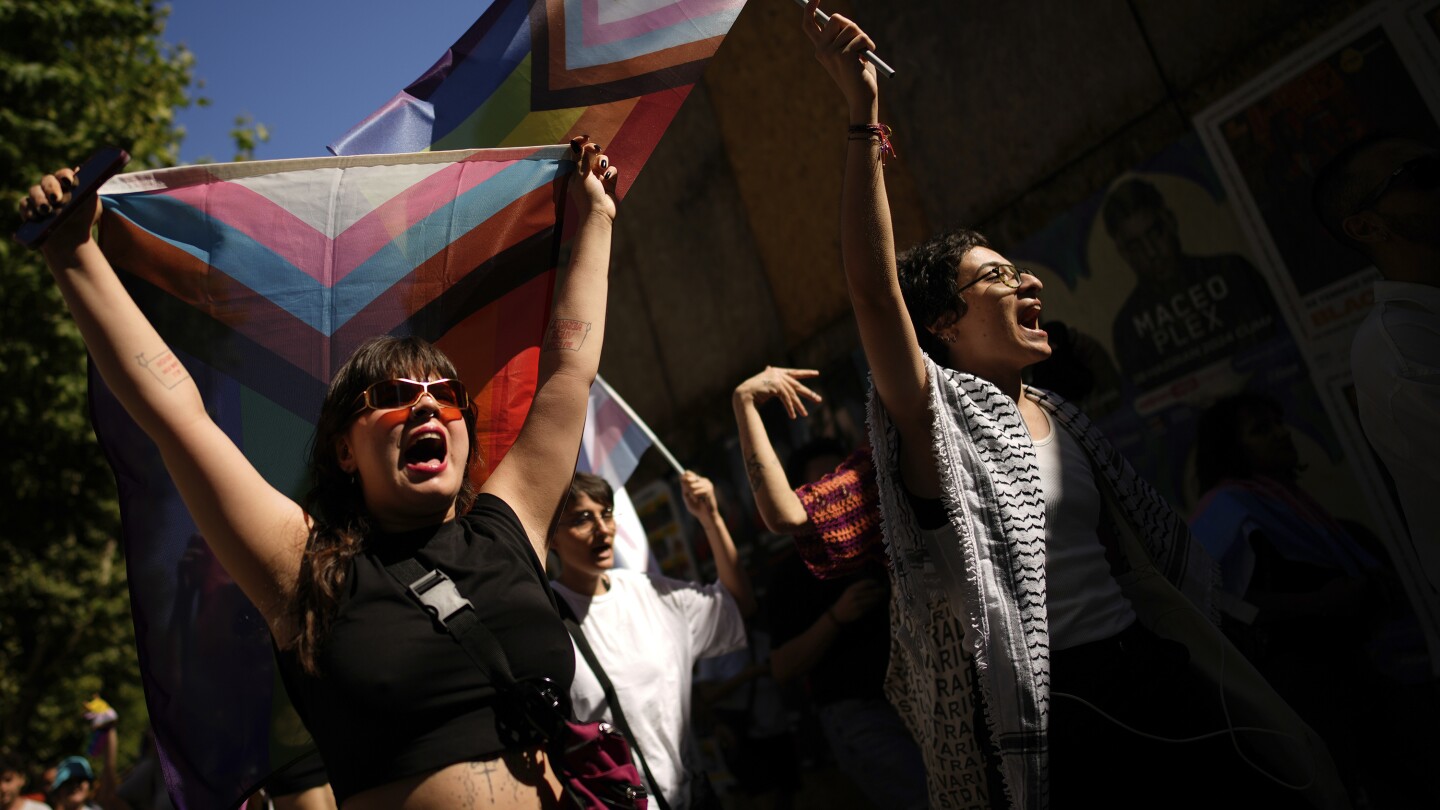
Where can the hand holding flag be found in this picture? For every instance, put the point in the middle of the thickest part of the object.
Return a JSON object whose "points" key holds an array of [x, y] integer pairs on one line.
{"points": [[813, 6]]}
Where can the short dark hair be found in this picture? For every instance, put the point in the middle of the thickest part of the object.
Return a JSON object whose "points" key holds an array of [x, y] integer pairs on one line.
{"points": [[1219, 453], [1127, 198], [597, 488], [927, 282], [9, 763], [1337, 190]]}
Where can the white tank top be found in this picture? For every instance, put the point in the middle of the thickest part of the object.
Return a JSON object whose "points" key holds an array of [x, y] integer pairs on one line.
{"points": [[1083, 598]]}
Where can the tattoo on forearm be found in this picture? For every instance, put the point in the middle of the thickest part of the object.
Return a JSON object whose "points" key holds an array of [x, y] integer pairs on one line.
{"points": [[166, 367], [566, 334], [754, 469]]}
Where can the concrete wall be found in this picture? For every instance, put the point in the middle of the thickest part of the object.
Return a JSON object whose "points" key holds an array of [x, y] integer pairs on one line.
{"points": [[1006, 115]]}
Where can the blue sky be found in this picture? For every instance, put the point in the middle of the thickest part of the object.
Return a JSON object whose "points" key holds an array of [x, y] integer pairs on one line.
{"points": [[307, 69]]}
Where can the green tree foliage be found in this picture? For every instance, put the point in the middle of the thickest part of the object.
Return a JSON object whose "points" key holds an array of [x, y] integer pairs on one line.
{"points": [[248, 134], [74, 74]]}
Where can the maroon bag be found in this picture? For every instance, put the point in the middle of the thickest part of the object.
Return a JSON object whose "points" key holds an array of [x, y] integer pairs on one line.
{"points": [[594, 762]]}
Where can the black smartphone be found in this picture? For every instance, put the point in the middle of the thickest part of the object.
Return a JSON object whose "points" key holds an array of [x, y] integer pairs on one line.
{"points": [[103, 165]]}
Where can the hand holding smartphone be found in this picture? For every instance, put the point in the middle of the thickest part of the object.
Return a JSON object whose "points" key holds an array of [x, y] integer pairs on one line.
{"points": [[104, 164]]}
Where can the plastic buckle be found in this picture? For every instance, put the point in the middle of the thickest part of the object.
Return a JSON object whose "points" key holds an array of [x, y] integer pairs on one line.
{"points": [[439, 596]]}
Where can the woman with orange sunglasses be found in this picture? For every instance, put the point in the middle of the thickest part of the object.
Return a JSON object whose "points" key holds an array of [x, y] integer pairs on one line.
{"points": [[401, 716]]}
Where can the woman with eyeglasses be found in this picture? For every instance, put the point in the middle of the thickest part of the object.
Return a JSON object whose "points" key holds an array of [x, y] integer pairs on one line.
{"points": [[401, 715], [1037, 582], [647, 630]]}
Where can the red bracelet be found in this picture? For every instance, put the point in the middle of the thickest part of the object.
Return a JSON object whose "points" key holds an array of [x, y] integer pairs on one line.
{"points": [[864, 132]]}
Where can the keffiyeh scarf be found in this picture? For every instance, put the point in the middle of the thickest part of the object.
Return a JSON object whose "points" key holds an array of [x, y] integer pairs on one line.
{"points": [[993, 575]]}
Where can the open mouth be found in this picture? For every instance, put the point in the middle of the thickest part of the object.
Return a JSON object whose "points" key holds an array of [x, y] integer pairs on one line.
{"points": [[426, 453], [1029, 317], [602, 551]]}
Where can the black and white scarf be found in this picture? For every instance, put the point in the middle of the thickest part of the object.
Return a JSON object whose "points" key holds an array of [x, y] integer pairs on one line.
{"points": [[994, 576]]}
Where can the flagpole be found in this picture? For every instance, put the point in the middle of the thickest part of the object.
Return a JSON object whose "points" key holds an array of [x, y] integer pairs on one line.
{"points": [[644, 428], [869, 55]]}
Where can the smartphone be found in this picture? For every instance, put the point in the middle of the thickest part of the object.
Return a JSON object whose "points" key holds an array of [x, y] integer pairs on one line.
{"points": [[103, 165]]}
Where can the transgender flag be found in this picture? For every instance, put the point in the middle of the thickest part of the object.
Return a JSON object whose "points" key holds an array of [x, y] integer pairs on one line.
{"points": [[615, 438], [611, 448], [262, 278]]}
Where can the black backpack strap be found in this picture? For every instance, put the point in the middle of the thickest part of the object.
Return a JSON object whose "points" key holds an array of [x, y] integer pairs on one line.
{"points": [[618, 713]]}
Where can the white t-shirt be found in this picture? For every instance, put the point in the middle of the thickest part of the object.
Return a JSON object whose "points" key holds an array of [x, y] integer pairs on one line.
{"points": [[1082, 597], [647, 632], [1396, 361]]}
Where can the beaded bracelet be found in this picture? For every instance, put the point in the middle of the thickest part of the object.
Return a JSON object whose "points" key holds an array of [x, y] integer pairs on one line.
{"points": [[864, 132]]}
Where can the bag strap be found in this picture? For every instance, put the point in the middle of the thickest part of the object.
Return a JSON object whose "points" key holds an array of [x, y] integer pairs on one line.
{"points": [[437, 595], [616, 712]]}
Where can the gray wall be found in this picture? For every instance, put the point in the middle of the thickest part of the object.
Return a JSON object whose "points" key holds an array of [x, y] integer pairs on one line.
{"points": [[1006, 115]]}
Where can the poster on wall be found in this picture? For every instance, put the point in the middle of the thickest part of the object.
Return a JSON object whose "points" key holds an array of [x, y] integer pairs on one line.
{"points": [[1270, 137], [1373, 74], [1156, 311]]}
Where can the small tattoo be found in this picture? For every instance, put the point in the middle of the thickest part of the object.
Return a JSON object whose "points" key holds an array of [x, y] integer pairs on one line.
{"points": [[166, 367], [486, 767], [566, 334], [753, 470]]}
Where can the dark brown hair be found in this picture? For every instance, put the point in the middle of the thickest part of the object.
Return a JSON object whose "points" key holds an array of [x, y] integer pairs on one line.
{"points": [[340, 521], [928, 284], [594, 486]]}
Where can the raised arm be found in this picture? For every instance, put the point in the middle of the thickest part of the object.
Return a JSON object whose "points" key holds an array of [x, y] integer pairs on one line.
{"points": [[867, 246], [257, 533], [699, 494], [535, 475], [774, 497]]}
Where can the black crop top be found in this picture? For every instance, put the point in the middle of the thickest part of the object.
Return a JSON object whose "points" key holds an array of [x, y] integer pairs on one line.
{"points": [[398, 696]]}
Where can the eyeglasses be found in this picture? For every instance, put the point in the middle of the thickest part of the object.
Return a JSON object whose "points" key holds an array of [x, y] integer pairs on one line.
{"points": [[1421, 173], [1008, 274], [602, 519], [402, 393]]}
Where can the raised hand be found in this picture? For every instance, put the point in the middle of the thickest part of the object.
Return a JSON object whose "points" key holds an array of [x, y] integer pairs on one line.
{"points": [[699, 493], [840, 46], [595, 191], [45, 197], [782, 384]]}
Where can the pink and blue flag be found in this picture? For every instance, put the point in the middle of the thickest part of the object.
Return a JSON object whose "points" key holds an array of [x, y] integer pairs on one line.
{"points": [[614, 437]]}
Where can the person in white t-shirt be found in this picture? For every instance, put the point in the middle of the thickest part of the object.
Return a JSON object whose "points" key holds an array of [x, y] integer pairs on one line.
{"points": [[647, 630]]}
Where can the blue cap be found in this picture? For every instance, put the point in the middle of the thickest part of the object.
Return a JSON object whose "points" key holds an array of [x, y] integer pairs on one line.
{"points": [[71, 769]]}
